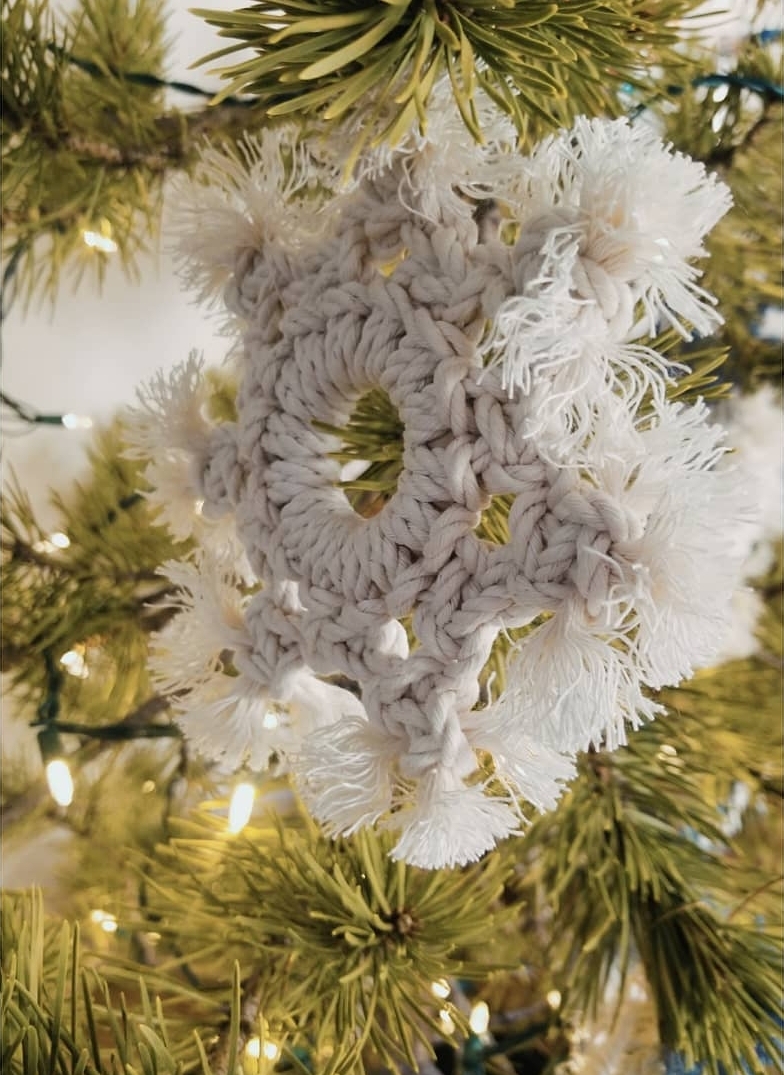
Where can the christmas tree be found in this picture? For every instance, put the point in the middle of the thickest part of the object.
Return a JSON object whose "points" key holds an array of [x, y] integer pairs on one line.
{"points": [[407, 686]]}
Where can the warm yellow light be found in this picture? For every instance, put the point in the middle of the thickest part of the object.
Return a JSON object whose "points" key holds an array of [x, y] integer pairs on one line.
{"points": [[76, 421], [100, 242], [479, 1019], [148, 787], [74, 663], [440, 989], [254, 1049], [241, 807], [554, 998], [107, 922], [446, 1021], [59, 539], [60, 781]]}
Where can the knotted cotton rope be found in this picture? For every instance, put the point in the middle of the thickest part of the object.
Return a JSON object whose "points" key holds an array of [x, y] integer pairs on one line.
{"points": [[515, 373]]}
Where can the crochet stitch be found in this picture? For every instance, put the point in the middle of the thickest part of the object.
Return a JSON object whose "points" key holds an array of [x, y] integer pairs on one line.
{"points": [[516, 373]]}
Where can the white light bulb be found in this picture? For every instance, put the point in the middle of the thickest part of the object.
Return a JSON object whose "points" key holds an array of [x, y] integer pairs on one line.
{"points": [[74, 664], [241, 807], [253, 1048], [60, 540], [554, 998], [76, 421], [109, 924], [271, 1050], [60, 781], [440, 989], [270, 720], [480, 1017], [100, 242]]}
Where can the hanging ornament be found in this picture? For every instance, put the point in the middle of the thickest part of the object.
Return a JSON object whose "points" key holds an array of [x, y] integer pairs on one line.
{"points": [[517, 372]]}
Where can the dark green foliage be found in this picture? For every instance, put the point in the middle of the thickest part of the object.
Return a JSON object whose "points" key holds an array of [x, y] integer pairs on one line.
{"points": [[541, 62], [100, 596], [342, 944]]}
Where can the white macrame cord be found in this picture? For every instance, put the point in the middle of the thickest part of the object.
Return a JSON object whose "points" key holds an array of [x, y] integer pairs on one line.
{"points": [[516, 372]]}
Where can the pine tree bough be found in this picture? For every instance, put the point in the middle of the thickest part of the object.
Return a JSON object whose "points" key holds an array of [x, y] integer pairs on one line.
{"points": [[517, 370]]}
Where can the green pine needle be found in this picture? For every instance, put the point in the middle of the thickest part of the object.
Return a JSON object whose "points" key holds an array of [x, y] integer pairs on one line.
{"points": [[343, 941], [534, 59]]}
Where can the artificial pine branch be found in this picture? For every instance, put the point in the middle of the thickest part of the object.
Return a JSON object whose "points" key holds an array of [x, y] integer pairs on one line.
{"points": [[87, 137], [543, 64]]}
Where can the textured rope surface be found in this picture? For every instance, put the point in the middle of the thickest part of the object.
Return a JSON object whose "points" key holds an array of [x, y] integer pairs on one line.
{"points": [[396, 295]]}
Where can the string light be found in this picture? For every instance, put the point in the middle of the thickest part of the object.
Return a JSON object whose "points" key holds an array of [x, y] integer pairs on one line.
{"points": [[55, 541], [270, 720], [241, 807], [479, 1020], [107, 922], [148, 787], [440, 989], [554, 999], [76, 421], [101, 239], [254, 1049], [74, 663], [60, 781]]}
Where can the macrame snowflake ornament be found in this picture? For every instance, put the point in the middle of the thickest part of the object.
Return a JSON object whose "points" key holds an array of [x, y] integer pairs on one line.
{"points": [[517, 373]]}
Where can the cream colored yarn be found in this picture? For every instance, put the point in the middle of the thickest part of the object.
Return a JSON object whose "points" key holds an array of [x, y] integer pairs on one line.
{"points": [[509, 380]]}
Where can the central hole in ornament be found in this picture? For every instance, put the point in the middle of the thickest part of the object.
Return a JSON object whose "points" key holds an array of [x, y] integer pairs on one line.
{"points": [[370, 453], [494, 524]]}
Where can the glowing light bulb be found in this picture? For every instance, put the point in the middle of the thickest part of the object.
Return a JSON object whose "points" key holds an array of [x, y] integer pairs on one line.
{"points": [[60, 540], [74, 663], [479, 1019], [148, 787], [98, 241], [253, 1048], [270, 720], [440, 988], [554, 998], [271, 1050], [107, 922], [76, 421], [60, 782], [241, 807]]}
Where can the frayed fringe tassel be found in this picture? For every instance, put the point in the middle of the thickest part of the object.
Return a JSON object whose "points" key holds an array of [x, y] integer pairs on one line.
{"points": [[209, 621], [173, 493], [345, 774], [170, 412], [450, 823], [570, 688], [527, 767], [627, 213], [271, 190], [225, 721]]}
